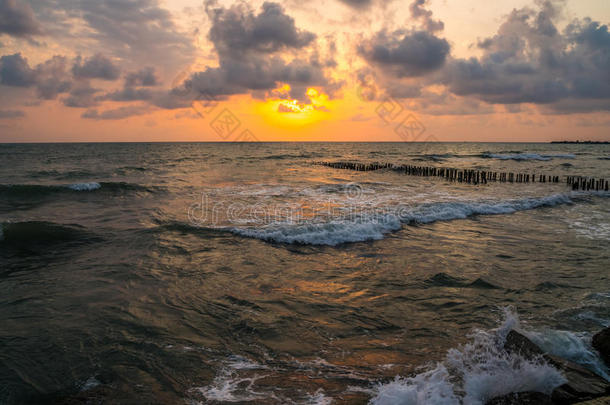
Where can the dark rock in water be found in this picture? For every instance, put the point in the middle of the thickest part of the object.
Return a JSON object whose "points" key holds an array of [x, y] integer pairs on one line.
{"points": [[582, 384], [522, 398], [601, 343], [597, 401], [517, 343]]}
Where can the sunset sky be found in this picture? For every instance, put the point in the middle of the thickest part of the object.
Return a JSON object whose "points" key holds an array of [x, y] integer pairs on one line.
{"points": [[318, 70]]}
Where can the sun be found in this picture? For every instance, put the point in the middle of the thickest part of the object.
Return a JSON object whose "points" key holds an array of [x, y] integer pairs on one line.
{"points": [[279, 109]]}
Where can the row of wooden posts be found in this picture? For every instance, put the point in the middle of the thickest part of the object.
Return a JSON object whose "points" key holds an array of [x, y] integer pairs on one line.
{"points": [[472, 176]]}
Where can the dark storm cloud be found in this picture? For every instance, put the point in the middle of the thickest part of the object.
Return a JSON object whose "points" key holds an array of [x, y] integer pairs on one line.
{"points": [[248, 47], [144, 77], [17, 19], [97, 66], [50, 78], [406, 54], [530, 61], [11, 114]]}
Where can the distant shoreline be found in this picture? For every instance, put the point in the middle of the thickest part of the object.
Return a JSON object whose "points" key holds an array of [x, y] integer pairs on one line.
{"points": [[584, 142]]}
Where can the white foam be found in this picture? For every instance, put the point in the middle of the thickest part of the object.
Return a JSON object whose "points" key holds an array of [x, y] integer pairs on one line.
{"points": [[528, 156], [236, 382], [84, 186], [591, 223], [572, 346], [590, 316], [358, 226], [318, 398], [228, 386], [330, 233], [91, 382], [473, 374], [432, 387]]}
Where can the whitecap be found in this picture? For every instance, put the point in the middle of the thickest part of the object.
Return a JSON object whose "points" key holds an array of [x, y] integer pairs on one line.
{"points": [[84, 186], [473, 374], [359, 225]]}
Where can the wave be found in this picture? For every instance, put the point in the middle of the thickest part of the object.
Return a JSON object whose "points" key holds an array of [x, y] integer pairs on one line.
{"points": [[41, 232], [84, 186], [474, 373], [526, 156], [375, 226], [231, 386], [291, 156], [445, 280], [73, 174], [40, 190], [436, 157]]}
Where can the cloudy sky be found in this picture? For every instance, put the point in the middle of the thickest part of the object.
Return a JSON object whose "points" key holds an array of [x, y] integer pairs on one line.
{"points": [[327, 70]]}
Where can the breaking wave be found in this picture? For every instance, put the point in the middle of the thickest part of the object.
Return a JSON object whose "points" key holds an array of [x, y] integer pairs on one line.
{"points": [[41, 190], [375, 226], [473, 374], [527, 156]]}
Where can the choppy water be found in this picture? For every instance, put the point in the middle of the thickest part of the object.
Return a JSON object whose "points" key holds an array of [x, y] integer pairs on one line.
{"points": [[203, 273]]}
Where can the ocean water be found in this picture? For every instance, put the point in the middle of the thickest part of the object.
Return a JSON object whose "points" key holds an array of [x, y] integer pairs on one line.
{"points": [[242, 273]]}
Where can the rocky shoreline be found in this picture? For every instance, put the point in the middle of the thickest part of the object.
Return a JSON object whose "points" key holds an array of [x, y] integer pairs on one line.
{"points": [[582, 386]]}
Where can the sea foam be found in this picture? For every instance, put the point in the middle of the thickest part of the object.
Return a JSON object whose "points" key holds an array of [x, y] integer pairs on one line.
{"points": [[473, 374], [374, 225], [84, 186]]}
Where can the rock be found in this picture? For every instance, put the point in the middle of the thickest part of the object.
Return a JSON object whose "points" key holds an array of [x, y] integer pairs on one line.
{"points": [[522, 398], [601, 343], [598, 401], [517, 343], [582, 384]]}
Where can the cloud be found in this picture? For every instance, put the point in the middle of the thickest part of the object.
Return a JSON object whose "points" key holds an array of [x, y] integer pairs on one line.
{"points": [[237, 29], [50, 78], [116, 114], [82, 96], [18, 19], [530, 61], [15, 71], [140, 32], [130, 94], [11, 114], [282, 108], [362, 4], [96, 67], [406, 53], [357, 3], [252, 52], [144, 77], [419, 12]]}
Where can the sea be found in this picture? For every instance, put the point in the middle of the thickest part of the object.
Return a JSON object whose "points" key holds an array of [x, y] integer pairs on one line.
{"points": [[213, 273]]}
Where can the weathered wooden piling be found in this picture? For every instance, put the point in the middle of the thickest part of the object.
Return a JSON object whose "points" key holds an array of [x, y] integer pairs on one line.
{"points": [[472, 176]]}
